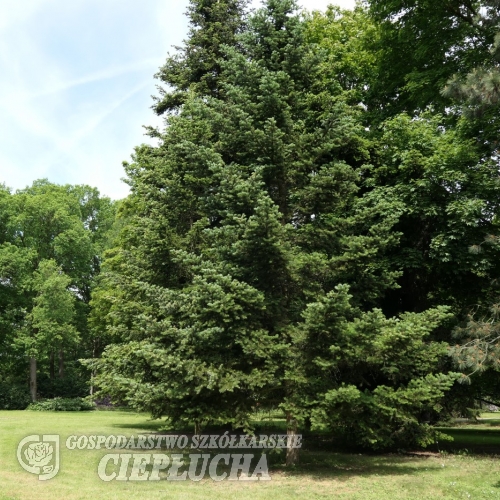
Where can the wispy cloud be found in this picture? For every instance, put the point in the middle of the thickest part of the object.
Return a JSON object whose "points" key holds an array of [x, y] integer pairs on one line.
{"points": [[67, 144], [106, 74], [76, 85]]}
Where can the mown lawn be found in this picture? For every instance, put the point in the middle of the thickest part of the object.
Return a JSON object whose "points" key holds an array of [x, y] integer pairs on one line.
{"points": [[322, 474]]}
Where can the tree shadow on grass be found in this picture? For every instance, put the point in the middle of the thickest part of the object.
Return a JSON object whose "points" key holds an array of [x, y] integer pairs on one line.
{"points": [[471, 441], [150, 425], [321, 466], [343, 466]]}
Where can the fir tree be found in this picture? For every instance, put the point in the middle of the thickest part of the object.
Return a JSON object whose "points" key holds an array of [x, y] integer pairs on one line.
{"points": [[197, 65], [244, 224]]}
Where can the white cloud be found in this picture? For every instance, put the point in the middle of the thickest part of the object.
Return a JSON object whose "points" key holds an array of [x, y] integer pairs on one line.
{"points": [[14, 12]]}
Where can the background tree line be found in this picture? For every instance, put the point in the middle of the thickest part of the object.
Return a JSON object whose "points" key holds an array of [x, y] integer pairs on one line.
{"points": [[51, 243]]}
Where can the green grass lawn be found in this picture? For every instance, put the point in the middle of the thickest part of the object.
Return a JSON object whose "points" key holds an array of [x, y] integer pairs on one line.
{"points": [[322, 474]]}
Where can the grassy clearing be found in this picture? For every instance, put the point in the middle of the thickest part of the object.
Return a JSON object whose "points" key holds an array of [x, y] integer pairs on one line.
{"points": [[322, 474]]}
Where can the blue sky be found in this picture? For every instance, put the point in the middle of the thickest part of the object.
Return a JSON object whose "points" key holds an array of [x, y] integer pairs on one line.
{"points": [[76, 85]]}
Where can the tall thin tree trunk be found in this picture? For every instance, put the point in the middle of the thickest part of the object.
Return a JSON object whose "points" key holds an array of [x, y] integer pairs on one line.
{"points": [[61, 363], [197, 427], [292, 454], [92, 375], [33, 388], [52, 368]]}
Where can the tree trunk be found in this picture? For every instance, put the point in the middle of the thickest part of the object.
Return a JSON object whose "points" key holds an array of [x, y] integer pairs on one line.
{"points": [[292, 454], [61, 363], [33, 388], [197, 428], [93, 373], [52, 368]]}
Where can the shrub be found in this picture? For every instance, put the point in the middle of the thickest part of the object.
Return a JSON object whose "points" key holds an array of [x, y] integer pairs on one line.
{"points": [[13, 397], [105, 402], [72, 385], [62, 404]]}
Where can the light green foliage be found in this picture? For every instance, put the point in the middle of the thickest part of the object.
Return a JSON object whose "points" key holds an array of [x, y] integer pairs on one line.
{"points": [[49, 324], [348, 39], [46, 219], [449, 196], [51, 240], [62, 404]]}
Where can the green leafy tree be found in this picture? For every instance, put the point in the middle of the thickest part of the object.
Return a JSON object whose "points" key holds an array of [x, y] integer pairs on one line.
{"points": [[477, 93], [450, 194], [348, 40], [49, 326], [47, 223], [422, 45]]}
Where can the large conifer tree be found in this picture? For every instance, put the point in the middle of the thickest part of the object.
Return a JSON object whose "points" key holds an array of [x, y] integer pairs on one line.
{"points": [[251, 260]]}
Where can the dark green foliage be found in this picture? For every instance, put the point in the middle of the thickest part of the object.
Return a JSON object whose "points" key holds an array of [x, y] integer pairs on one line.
{"points": [[478, 92], [14, 397], [62, 404], [373, 379], [422, 45], [479, 347], [74, 384], [196, 66], [246, 227], [450, 196], [444, 57]]}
